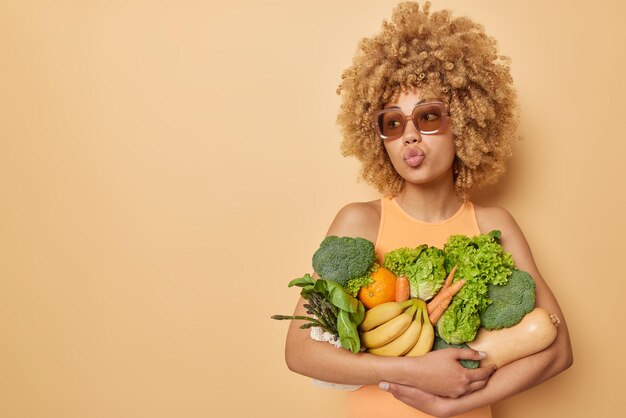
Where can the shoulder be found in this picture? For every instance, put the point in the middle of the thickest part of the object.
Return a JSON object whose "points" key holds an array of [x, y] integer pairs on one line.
{"points": [[493, 217], [358, 219], [512, 240]]}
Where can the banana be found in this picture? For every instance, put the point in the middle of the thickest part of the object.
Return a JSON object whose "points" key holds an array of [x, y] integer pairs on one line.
{"points": [[404, 342], [382, 313], [388, 331], [427, 337]]}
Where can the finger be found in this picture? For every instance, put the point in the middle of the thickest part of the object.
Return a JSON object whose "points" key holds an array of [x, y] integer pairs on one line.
{"points": [[407, 394], [481, 373], [474, 386], [469, 354], [397, 389], [416, 398]]}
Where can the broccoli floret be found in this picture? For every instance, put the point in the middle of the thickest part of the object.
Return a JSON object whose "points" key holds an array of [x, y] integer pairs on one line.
{"points": [[510, 302], [343, 258], [440, 344]]}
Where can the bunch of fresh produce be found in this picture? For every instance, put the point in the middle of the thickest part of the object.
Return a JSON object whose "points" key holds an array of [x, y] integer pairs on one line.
{"points": [[334, 310], [423, 267], [481, 262], [404, 327], [420, 299], [345, 265], [534, 333], [511, 326], [398, 329]]}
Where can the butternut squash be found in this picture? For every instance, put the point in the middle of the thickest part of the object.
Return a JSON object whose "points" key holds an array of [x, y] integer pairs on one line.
{"points": [[535, 332]]}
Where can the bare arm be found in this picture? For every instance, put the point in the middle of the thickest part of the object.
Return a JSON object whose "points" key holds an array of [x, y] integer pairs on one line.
{"points": [[521, 374], [438, 372]]}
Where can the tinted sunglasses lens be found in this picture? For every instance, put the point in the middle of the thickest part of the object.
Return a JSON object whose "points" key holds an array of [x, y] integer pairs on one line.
{"points": [[428, 117], [390, 124]]}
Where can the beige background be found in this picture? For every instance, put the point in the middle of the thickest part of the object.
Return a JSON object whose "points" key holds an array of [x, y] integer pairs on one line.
{"points": [[167, 167]]}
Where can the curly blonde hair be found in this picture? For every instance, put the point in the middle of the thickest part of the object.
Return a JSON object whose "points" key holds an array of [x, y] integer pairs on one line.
{"points": [[450, 58]]}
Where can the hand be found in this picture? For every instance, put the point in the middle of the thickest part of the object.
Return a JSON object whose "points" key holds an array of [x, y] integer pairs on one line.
{"points": [[440, 373]]}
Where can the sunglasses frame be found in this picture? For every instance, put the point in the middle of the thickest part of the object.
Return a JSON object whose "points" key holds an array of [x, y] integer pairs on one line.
{"points": [[406, 118]]}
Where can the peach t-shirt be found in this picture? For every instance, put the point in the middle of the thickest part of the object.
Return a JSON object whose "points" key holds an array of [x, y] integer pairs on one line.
{"points": [[398, 229]]}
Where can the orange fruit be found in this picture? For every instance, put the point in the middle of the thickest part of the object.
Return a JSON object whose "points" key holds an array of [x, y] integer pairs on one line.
{"points": [[381, 290]]}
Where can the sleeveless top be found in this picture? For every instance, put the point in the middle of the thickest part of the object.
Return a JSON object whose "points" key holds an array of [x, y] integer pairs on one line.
{"points": [[398, 229]]}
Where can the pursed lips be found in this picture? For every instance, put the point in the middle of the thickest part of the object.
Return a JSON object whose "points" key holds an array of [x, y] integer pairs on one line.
{"points": [[414, 157]]}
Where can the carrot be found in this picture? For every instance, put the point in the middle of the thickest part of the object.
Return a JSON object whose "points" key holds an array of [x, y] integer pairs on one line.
{"points": [[443, 304], [402, 289], [437, 312], [450, 277], [440, 296]]}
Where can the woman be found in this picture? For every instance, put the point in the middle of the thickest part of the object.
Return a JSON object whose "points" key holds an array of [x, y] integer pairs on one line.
{"points": [[429, 109]]}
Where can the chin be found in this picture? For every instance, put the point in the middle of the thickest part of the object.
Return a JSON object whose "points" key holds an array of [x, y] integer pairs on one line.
{"points": [[428, 177]]}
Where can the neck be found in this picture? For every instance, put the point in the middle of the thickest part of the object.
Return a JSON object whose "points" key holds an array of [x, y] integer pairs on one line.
{"points": [[432, 202]]}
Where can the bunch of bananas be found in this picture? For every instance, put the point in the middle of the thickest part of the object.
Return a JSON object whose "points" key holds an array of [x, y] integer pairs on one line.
{"points": [[398, 329]]}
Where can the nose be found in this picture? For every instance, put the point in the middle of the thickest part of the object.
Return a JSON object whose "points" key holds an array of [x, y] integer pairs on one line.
{"points": [[411, 134]]}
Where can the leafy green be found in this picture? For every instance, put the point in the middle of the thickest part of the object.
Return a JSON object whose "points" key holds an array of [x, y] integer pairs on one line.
{"points": [[346, 326], [423, 266], [481, 262], [428, 273], [304, 281], [399, 259], [349, 314], [355, 284], [336, 295], [459, 322]]}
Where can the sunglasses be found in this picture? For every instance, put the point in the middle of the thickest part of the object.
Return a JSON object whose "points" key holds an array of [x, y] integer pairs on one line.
{"points": [[429, 118]]}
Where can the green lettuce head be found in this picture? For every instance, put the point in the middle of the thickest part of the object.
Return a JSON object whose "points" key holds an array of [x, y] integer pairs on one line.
{"points": [[427, 274], [458, 325], [481, 262]]}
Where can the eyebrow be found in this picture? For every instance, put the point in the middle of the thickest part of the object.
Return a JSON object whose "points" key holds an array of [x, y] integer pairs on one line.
{"points": [[420, 101]]}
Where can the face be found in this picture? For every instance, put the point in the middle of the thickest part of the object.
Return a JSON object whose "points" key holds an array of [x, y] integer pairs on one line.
{"points": [[420, 158]]}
